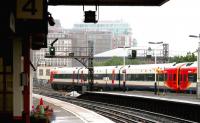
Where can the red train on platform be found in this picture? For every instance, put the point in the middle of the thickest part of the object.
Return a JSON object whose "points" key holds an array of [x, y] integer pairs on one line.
{"points": [[170, 76]]}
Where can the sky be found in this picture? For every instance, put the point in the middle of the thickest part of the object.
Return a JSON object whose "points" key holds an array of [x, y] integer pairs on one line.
{"points": [[170, 23]]}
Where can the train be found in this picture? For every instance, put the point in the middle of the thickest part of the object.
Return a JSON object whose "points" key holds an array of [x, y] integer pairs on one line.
{"points": [[179, 77]]}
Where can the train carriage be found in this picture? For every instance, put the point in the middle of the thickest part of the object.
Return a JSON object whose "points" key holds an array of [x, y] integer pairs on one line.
{"points": [[178, 77]]}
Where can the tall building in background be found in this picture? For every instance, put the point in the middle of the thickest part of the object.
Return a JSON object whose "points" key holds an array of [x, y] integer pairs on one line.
{"points": [[121, 32], [61, 45], [106, 35], [102, 39]]}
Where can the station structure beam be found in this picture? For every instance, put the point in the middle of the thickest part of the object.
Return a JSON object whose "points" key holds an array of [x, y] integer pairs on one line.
{"points": [[109, 2]]}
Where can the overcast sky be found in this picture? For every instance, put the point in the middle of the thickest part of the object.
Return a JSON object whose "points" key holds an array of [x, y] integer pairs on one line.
{"points": [[171, 23]]}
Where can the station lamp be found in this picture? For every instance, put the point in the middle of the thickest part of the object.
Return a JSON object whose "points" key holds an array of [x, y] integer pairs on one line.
{"points": [[90, 16]]}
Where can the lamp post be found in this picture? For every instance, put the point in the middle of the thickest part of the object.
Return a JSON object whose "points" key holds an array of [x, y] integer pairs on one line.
{"points": [[198, 66], [124, 59], [155, 65]]}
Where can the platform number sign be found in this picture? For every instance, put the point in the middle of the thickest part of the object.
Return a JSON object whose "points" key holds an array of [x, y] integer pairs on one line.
{"points": [[30, 9]]}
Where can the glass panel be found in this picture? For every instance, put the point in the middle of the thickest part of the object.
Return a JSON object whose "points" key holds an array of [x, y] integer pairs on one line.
{"points": [[9, 83], [192, 77], [1, 82], [47, 72], [8, 69], [9, 102], [160, 77], [1, 102], [1, 64], [174, 76], [166, 77], [40, 72], [185, 78]]}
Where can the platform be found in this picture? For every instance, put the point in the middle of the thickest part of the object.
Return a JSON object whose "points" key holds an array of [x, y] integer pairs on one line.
{"points": [[180, 97], [68, 113], [178, 105]]}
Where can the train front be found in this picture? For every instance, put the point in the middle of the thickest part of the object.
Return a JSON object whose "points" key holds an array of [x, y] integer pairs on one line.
{"points": [[180, 76]]}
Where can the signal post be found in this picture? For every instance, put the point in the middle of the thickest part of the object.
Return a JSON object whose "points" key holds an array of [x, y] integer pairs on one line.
{"points": [[84, 55]]}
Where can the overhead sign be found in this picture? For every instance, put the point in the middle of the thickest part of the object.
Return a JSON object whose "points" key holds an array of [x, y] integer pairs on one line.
{"points": [[31, 16], [29, 9]]}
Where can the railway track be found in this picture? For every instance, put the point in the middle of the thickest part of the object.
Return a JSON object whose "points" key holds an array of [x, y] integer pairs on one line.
{"points": [[119, 114]]}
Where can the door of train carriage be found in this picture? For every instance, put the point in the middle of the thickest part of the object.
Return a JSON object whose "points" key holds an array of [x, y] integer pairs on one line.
{"points": [[171, 78], [188, 76], [183, 79]]}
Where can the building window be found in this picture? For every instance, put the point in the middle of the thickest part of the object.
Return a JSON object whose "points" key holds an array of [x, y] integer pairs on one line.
{"points": [[47, 72], [40, 72]]}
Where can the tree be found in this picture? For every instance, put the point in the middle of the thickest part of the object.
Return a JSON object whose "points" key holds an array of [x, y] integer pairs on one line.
{"points": [[114, 61], [190, 57]]}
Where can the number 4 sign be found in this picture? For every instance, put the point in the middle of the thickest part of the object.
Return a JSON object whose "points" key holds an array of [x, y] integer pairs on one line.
{"points": [[30, 9]]}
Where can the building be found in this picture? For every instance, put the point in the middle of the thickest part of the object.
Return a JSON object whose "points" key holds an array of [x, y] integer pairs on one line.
{"points": [[121, 31], [101, 39], [106, 35]]}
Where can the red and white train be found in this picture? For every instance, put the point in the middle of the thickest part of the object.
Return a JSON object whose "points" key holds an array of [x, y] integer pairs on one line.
{"points": [[171, 76]]}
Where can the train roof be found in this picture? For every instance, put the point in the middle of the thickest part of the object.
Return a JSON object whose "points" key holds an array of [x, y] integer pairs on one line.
{"points": [[175, 65], [190, 64], [146, 67]]}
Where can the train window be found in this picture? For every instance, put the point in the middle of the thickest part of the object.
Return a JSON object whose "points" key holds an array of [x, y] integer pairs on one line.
{"points": [[47, 72], [180, 77], [98, 76], [85, 77], [64, 76], [188, 64], [128, 77], [165, 76], [119, 76], [170, 77], [59, 76], [192, 77], [160, 77], [55, 76], [110, 76], [150, 77], [145, 77], [174, 76], [184, 78], [40, 72], [95, 76]]}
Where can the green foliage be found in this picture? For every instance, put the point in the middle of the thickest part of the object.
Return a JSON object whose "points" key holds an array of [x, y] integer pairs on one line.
{"points": [[190, 57], [117, 61]]}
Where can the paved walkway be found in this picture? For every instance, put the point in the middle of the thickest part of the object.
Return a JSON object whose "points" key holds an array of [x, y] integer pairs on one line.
{"points": [[69, 113]]}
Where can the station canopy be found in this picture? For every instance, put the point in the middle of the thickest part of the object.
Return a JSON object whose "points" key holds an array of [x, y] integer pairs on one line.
{"points": [[108, 2]]}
